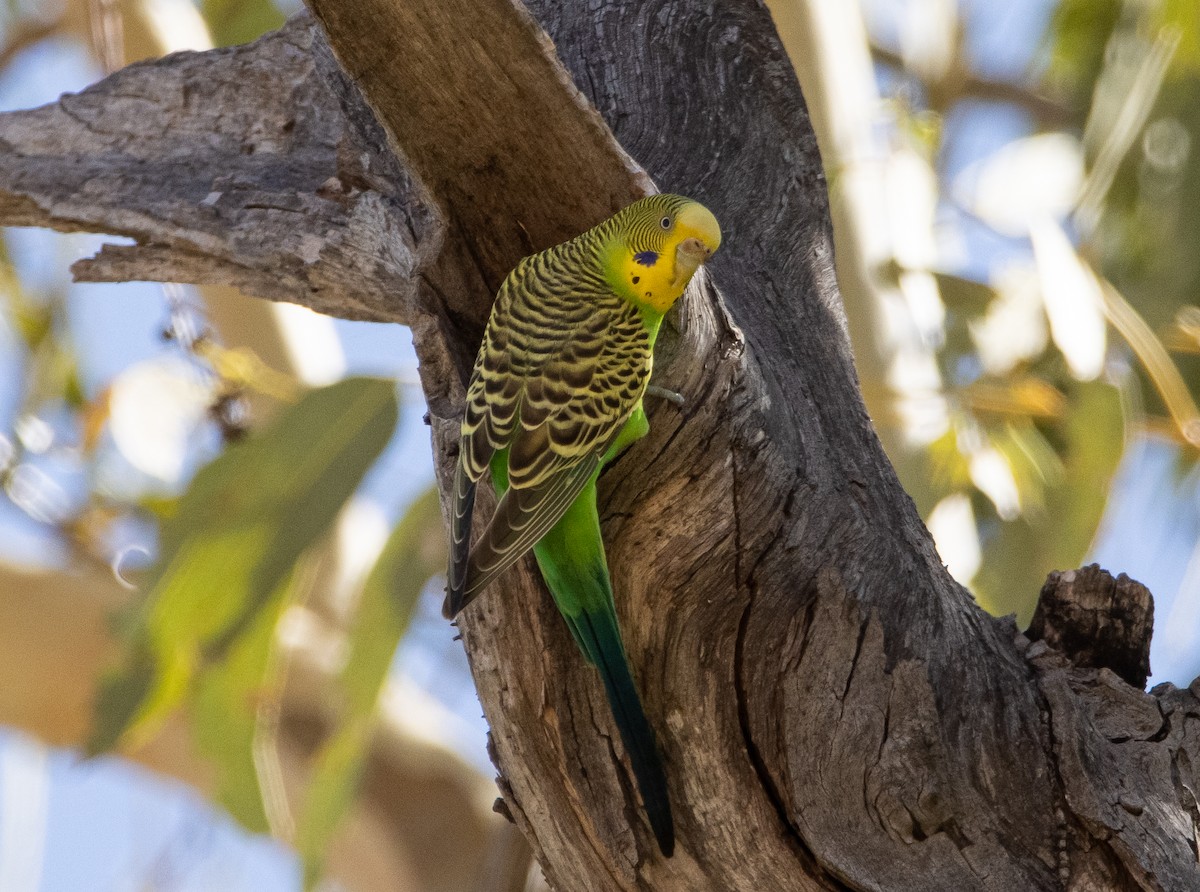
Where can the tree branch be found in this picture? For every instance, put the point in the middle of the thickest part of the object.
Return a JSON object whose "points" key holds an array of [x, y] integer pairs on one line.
{"points": [[1097, 622], [961, 82], [229, 167], [834, 710]]}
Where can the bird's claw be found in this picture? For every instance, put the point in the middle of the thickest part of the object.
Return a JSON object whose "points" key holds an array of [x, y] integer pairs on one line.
{"points": [[663, 393]]}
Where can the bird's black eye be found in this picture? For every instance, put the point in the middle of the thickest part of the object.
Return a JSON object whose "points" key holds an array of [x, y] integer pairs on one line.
{"points": [[665, 222]]}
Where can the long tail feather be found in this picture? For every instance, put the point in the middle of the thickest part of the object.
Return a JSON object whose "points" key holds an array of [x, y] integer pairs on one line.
{"points": [[597, 633]]}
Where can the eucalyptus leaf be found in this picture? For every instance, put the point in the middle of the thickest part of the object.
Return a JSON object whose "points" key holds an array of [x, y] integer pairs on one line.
{"points": [[415, 552], [235, 709], [233, 539], [963, 293], [240, 21]]}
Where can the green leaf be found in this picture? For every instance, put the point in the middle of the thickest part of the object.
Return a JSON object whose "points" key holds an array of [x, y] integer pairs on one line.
{"points": [[240, 21], [415, 552], [1033, 462], [1095, 440], [235, 711], [233, 540], [119, 697], [1079, 35], [1018, 554], [964, 294], [1184, 17]]}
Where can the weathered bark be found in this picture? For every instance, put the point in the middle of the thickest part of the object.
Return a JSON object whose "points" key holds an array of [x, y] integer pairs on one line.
{"points": [[834, 710], [229, 167], [1097, 622]]}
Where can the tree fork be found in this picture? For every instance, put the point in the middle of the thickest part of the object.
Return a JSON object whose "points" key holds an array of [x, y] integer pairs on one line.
{"points": [[834, 710]]}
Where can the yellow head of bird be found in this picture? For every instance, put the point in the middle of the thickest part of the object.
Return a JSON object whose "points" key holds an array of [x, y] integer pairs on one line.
{"points": [[664, 239]]}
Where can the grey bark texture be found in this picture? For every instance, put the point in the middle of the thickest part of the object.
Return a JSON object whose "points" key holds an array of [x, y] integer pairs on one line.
{"points": [[228, 167], [834, 711], [1097, 622]]}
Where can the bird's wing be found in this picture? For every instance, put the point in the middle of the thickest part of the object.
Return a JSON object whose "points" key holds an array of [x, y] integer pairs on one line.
{"points": [[522, 518], [462, 507], [558, 376], [505, 359]]}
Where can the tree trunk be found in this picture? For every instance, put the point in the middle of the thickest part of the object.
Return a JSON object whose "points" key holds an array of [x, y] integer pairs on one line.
{"points": [[834, 711]]}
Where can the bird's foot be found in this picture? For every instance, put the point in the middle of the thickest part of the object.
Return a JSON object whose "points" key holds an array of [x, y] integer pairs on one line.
{"points": [[663, 393]]}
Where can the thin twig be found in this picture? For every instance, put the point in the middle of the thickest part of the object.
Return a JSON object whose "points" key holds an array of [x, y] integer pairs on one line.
{"points": [[1154, 359], [26, 35], [1048, 111]]}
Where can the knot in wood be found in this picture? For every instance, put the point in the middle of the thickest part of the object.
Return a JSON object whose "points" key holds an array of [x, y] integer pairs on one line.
{"points": [[1097, 621]]}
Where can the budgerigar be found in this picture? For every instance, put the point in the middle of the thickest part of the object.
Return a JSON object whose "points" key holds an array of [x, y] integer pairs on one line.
{"points": [[556, 392]]}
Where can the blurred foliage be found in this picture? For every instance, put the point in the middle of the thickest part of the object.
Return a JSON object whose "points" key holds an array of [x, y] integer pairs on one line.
{"points": [[232, 541], [39, 321], [204, 635], [1034, 437], [237, 552], [41, 433], [1030, 445], [1147, 240], [1078, 40], [414, 554], [233, 556], [1058, 466], [1184, 17], [240, 21]]}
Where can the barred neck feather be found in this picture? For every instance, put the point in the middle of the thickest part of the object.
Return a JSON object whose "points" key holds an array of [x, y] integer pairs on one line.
{"points": [[645, 254]]}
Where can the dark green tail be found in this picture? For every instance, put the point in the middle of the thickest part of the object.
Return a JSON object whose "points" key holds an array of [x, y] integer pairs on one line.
{"points": [[598, 637], [571, 557]]}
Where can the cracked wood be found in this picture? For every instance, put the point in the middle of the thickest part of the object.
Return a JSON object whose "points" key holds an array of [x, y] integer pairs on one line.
{"points": [[835, 712], [230, 167]]}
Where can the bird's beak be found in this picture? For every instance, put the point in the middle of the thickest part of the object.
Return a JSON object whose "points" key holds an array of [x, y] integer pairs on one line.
{"points": [[702, 233], [702, 236], [695, 248]]}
